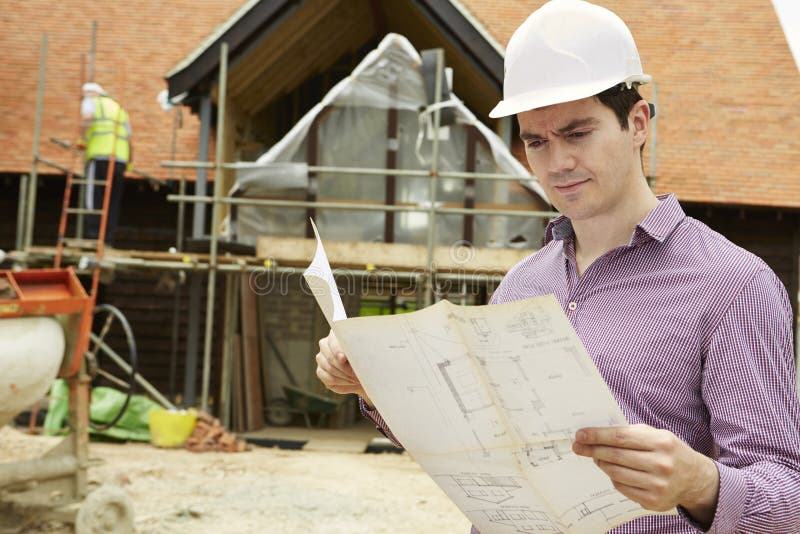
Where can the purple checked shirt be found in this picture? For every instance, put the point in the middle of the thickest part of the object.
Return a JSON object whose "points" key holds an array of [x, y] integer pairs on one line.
{"points": [[694, 335]]}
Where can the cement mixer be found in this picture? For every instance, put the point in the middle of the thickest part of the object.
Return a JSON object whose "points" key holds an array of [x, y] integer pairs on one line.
{"points": [[32, 349], [45, 326]]}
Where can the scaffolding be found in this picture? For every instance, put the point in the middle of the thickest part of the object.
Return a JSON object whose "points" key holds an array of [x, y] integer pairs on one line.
{"points": [[213, 263]]}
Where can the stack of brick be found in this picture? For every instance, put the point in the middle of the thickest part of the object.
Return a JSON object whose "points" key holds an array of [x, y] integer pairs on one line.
{"points": [[209, 435]]}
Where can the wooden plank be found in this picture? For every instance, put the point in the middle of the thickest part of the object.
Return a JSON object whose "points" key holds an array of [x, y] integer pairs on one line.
{"points": [[312, 153], [469, 183], [238, 419], [392, 146], [251, 356], [264, 352], [400, 256]]}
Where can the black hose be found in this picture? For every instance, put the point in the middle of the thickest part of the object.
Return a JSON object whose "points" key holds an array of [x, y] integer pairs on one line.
{"points": [[132, 356]]}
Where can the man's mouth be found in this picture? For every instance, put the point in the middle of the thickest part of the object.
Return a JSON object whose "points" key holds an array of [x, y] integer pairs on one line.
{"points": [[571, 186]]}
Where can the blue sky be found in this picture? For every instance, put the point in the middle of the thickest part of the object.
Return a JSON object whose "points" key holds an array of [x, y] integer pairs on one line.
{"points": [[789, 13]]}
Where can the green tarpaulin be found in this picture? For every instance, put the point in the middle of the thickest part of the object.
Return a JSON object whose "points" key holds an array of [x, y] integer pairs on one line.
{"points": [[104, 406]]}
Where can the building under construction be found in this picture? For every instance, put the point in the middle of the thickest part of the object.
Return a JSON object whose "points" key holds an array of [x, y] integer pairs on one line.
{"points": [[371, 119], [272, 85]]}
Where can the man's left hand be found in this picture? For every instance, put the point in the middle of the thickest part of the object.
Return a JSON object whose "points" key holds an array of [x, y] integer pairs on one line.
{"points": [[653, 468]]}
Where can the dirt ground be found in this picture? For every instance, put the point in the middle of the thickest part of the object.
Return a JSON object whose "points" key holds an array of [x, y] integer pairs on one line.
{"points": [[260, 491]]}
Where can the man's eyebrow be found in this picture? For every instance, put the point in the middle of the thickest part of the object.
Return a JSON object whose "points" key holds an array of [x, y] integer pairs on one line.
{"points": [[575, 124], [578, 123]]}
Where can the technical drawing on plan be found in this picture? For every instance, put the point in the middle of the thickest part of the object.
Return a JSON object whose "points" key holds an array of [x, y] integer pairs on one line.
{"points": [[487, 400], [522, 520]]}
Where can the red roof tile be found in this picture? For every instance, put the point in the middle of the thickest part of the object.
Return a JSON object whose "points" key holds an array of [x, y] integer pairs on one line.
{"points": [[728, 88]]}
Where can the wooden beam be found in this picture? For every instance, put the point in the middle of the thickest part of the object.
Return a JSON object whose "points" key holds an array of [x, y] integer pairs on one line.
{"points": [[397, 256], [345, 29], [469, 184], [392, 146], [312, 157], [238, 420], [251, 356], [251, 69]]}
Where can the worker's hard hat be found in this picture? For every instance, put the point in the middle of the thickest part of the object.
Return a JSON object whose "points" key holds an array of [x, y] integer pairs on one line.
{"points": [[567, 50], [92, 87]]}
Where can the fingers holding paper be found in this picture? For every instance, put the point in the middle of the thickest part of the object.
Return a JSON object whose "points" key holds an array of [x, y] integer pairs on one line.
{"points": [[653, 467], [334, 370]]}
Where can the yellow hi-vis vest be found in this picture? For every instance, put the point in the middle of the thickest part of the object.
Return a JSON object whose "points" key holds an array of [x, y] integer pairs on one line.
{"points": [[100, 142]]}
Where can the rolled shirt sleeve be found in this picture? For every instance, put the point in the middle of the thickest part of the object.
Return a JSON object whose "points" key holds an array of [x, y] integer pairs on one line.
{"points": [[749, 389]]}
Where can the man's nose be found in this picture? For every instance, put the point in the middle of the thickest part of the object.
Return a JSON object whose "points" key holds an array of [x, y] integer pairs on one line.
{"points": [[561, 157]]}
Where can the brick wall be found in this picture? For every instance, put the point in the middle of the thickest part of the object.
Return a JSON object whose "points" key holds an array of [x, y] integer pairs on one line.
{"points": [[136, 47]]}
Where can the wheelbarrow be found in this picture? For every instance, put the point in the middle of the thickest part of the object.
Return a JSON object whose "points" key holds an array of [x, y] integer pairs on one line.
{"points": [[306, 403], [279, 411]]}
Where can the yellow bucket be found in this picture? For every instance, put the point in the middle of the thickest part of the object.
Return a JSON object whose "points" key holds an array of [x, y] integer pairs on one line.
{"points": [[171, 428]]}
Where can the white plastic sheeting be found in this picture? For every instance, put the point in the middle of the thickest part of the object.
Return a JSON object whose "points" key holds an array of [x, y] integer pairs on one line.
{"points": [[351, 131]]}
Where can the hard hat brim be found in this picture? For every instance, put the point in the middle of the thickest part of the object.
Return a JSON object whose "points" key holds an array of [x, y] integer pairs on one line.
{"points": [[92, 87], [557, 95]]}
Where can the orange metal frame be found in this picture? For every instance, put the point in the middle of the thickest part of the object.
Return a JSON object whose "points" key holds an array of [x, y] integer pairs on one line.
{"points": [[43, 292]]}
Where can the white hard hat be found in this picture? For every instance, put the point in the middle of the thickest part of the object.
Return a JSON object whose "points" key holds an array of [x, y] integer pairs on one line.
{"points": [[94, 88], [567, 50]]}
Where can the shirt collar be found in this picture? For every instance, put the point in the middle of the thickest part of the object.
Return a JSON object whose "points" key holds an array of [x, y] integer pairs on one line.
{"points": [[559, 229], [658, 224], [661, 221]]}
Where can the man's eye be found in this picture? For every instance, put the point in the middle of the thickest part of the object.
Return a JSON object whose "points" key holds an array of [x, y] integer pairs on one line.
{"points": [[578, 135], [535, 144]]}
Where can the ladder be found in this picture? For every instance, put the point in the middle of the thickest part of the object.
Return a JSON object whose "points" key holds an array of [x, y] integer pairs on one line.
{"points": [[98, 244]]}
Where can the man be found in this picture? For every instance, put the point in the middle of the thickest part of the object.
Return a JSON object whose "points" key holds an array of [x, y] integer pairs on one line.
{"points": [[692, 334], [101, 118]]}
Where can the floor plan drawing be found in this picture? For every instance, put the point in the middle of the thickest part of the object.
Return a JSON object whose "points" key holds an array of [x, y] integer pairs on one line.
{"points": [[543, 453], [488, 399], [609, 505], [464, 386], [487, 488], [483, 333], [531, 324], [523, 520]]}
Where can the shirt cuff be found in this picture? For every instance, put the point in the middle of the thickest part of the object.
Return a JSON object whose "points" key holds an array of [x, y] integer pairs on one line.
{"points": [[380, 425], [730, 502]]}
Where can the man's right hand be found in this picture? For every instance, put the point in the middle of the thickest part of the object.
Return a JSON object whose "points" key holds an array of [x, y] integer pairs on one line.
{"points": [[335, 371]]}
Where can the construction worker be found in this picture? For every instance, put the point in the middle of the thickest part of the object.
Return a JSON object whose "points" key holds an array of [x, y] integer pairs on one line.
{"points": [[106, 135], [692, 334]]}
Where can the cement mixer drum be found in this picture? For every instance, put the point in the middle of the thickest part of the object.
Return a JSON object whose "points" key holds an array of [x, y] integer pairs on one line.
{"points": [[31, 351]]}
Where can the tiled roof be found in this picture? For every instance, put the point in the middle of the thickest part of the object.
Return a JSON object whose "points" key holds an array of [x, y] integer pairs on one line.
{"points": [[728, 88], [728, 94]]}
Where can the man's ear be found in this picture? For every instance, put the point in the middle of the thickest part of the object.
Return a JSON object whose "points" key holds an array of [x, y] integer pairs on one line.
{"points": [[639, 121]]}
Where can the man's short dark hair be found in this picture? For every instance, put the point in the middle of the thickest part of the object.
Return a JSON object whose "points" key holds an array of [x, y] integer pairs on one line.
{"points": [[620, 100]]}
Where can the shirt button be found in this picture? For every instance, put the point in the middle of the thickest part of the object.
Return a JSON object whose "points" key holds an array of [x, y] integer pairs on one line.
{"points": [[572, 306]]}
